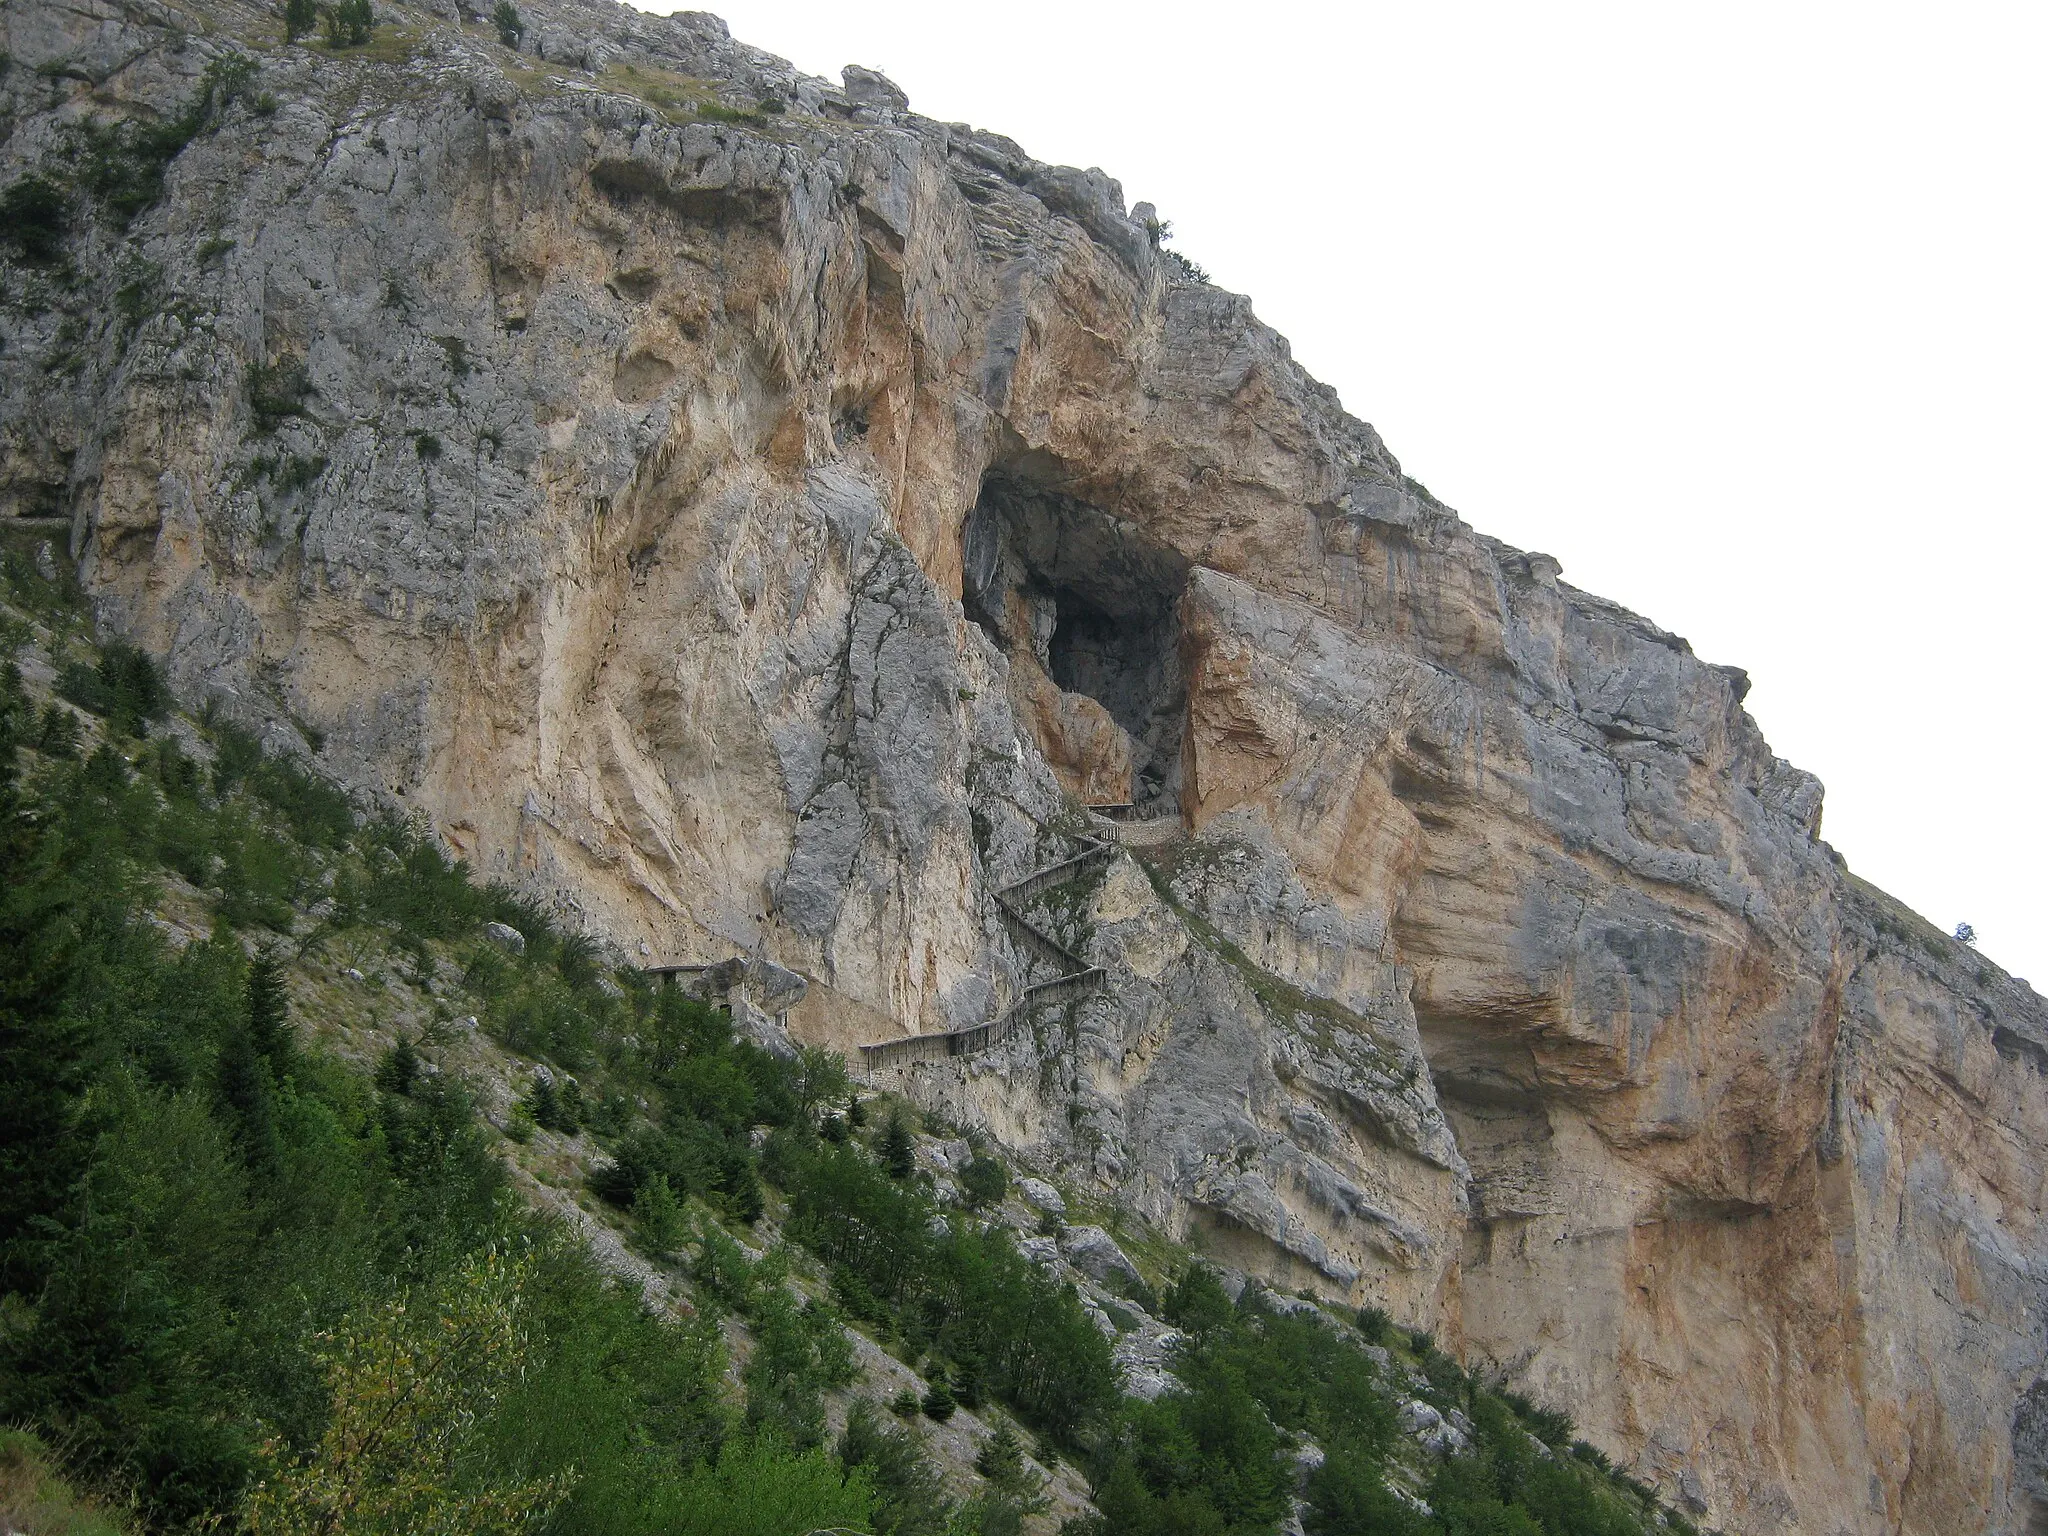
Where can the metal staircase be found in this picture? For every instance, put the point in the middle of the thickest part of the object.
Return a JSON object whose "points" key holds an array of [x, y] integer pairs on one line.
{"points": [[1115, 826]]}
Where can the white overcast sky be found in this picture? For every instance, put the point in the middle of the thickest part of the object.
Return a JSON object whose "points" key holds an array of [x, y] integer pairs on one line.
{"points": [[1738, 310]]}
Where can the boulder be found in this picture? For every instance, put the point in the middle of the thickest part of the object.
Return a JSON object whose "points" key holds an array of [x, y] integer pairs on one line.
{"points": [[1096, 1254], [506, 937], [1041, 1196], [872, 88]]}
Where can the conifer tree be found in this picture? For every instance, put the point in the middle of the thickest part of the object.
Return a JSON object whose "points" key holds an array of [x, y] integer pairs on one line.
{"points": [[1001, 1461], [910, 1495], [400, 1068], [511, 26], [270, 1019], [542, 1104], [898, 1149], [984, 1181], [658, 1226], [41, 1051], [568, 1106], [243, 1080], [58, 734]]}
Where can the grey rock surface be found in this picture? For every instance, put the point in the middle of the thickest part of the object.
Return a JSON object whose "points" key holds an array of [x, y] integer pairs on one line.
{"points": [[506, 937], [1096, 1254], [1041, 1196]]}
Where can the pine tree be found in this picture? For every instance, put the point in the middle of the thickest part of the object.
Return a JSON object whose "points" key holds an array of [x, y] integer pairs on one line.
{"points": [[658, 1226], [400, 1068], [1197, 1302], [1001, 1457], [967, 1385], [910, 1494], [511, 27], [58, 734], [568, 1106], [542, 1104], [41, 1050], [984, 1181], [938, 1403], [1001, 1461], [270, 1018], [898, 1149], [243, 1080], [300, 17]]}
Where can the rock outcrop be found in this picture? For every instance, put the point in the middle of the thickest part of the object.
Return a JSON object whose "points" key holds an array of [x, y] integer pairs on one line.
{"points": [[763, 519]]}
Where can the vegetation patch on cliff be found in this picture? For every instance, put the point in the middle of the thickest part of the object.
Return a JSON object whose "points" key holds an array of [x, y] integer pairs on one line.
{"points": [[1281, 999]]}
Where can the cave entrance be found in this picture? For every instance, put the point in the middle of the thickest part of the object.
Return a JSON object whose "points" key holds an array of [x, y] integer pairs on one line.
{"points": [[1086, 607]]}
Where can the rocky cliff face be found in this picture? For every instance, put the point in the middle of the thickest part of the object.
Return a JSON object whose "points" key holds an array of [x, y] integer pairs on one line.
{"points": [[766, 527]]}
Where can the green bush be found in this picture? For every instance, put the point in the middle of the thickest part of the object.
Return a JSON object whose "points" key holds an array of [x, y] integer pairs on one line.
{"points": [[300, 17], [277, 392], [124, 164], [350, 23], [511, 28], [658, 1226], [33, 216], [124, 687], [984, 1181]]}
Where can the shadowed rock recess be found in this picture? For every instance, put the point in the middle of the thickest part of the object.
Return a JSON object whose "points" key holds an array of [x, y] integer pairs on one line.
{"points": [[766, 529]]}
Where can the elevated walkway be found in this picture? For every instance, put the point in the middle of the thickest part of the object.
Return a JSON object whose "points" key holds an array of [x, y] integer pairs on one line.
{"points": [[1114, 827]]}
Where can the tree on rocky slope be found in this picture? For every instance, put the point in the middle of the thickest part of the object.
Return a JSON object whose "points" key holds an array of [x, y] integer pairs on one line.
{"points": [[411, 1380]]}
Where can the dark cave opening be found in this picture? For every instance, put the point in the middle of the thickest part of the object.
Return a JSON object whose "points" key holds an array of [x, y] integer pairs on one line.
{"points": [[1093, 602]]}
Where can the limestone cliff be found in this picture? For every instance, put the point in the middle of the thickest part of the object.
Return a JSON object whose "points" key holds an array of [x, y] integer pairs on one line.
{"points": [[764, 518]]}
